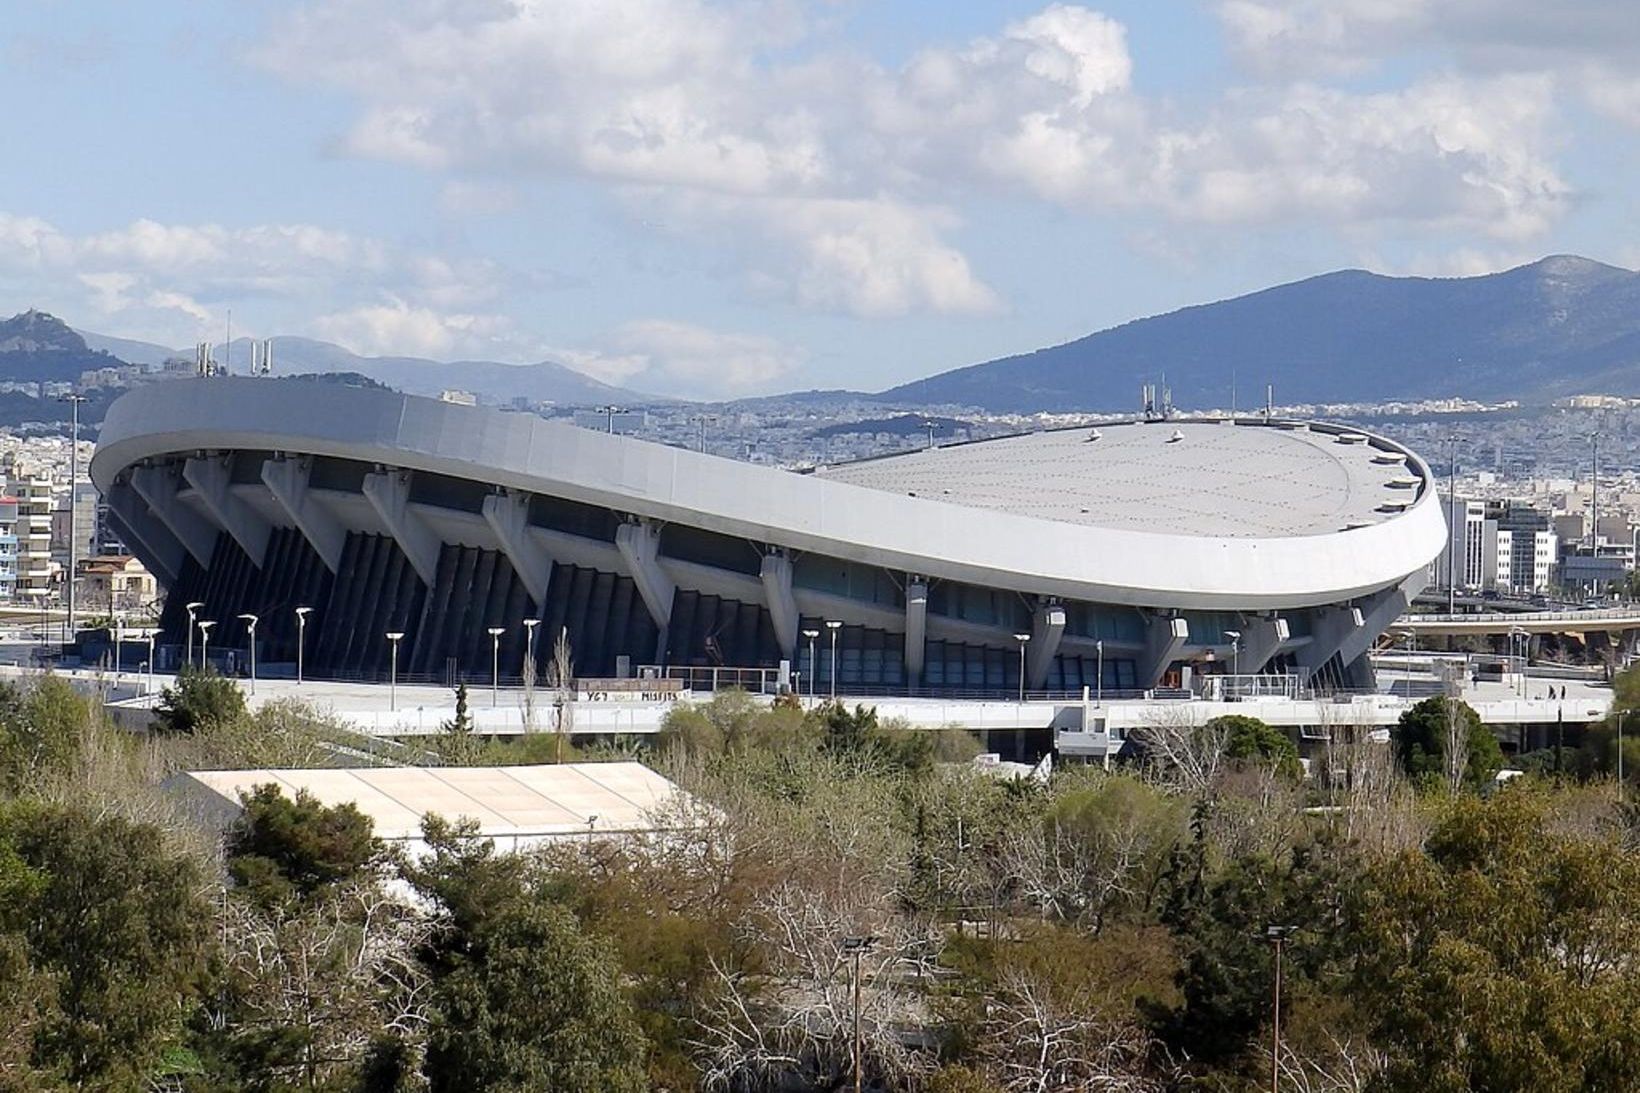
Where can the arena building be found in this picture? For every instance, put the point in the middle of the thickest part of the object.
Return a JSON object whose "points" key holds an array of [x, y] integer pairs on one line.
{"points": [[1128, 557]]}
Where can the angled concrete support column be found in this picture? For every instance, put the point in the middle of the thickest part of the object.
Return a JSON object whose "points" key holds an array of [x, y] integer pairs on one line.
{"points": [[916, 629], [212, 479], [776, 574], [287, 480], [640, 545], [1165, 638], [158, 485], [1349, 631], [1261, 639], [1047, 627], [508, 515], [161, 551], [388, 492]]}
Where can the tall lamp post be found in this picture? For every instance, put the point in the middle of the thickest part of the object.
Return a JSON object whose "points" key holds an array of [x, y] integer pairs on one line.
{"points": [[250, 633], [394, 636], [193, 609], [301, 639], [119, 640], [814, 669], [529, 640], [1099, 678], [151, 634], [73, 503], [833, 625], [610, 412], [1235, 659], [1277, 937], [1453, 531], [495, 633], [205, 643], [1023, 639], [1621, 714]]}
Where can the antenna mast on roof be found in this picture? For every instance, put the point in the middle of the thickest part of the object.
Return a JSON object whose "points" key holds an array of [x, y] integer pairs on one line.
{"points": [[1269, 401]]}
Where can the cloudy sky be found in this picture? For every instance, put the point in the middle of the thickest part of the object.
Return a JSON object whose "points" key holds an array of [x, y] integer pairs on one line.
{"points": [[716, 199]]}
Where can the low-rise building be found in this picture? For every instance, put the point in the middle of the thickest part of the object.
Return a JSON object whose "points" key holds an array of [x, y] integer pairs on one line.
{"points": [[115, 583]]}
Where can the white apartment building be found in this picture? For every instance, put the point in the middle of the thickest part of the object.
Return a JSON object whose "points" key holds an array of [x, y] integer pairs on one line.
{"points": [[1497, 546], [36, 572]]}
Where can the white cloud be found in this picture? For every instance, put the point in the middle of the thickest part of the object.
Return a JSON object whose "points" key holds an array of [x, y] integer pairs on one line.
{"points": [[664, 356], [173, 283], [833, 178], [396, 328], [1590, 47], [693, 358]]}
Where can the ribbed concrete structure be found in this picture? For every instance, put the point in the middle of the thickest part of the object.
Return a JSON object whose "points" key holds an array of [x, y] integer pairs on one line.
{"points": [[1136, 550]]}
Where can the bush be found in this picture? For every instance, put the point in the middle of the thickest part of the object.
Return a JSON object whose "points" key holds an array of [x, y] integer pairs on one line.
{"points": [[1250, 741], [199, 699]]}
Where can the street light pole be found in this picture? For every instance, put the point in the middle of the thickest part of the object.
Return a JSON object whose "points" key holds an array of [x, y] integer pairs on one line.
{"points": [[610, 412], [529, 640], [394, 636], [856, 947], [301, 640], [1099, 678], [1235, 659], [205, 643], [250, 627], [1022, 639], [833, 625], [814, 669], [495, 664], [192, 609], [1621, 714], [150, 662], [119, 640], [73, 502]]}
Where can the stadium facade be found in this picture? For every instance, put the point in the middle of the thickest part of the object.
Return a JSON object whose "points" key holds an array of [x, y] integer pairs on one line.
{"points": [[1114, 557]]}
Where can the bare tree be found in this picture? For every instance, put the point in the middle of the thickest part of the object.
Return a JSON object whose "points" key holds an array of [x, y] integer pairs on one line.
{"points": [[1182, 752], [561, 678], [1347, 1067], [1036, 1042], [1457, 729], [795, 1014]]}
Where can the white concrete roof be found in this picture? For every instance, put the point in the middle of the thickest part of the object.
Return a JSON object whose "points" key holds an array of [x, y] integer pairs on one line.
{"points": [[1146, 563], [555, 799], [1191, 478]]}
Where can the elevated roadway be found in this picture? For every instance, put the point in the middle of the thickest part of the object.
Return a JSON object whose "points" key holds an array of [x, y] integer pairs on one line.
{"points": [[1609, 620]]}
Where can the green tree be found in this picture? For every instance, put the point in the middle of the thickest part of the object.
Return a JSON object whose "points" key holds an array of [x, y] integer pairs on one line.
{"points": [[42, 728], [100, 926], [1421, 742], [1253, 742], [522, 998], [199, 699], [1500, 955], [279, 849], [456, 743]]}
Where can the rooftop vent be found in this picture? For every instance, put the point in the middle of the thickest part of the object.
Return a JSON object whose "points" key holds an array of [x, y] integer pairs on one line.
{"points": [[1094, 434], [1178, 435], [1350, 438]]}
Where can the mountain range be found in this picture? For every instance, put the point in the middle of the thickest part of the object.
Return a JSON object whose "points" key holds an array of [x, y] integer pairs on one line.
{"points": [[542, 382], [1561, 325]]}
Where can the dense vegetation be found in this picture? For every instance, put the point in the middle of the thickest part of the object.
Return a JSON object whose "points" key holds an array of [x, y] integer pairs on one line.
{"points": [[1077, 930]]}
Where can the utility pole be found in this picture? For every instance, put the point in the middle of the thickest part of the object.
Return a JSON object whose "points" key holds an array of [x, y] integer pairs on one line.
{"points": [[1594, 494], [1277, 937]]}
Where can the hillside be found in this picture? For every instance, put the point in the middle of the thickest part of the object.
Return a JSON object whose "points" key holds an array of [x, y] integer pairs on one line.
{"points": [[36, 347], [1558, 326]]}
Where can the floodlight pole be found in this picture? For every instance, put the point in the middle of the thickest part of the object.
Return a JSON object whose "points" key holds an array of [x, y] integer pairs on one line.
{"points": [[1235, 657], [1099, 679]]}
